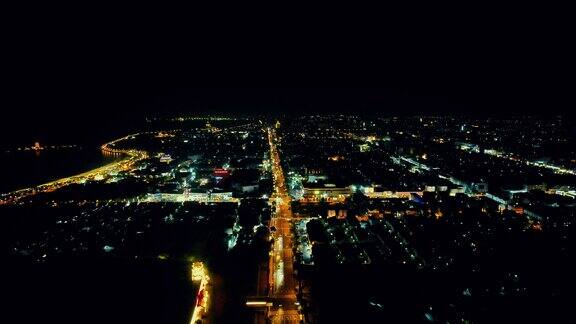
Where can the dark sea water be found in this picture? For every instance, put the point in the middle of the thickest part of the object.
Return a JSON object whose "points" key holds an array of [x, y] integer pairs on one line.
{"points": [[22, 169]]}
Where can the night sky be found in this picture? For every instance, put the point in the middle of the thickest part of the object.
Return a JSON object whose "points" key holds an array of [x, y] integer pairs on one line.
{"points": [[76, 75]]}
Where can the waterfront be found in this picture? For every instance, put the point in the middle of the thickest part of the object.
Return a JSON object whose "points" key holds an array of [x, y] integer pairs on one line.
{"points": [[22, 169]]}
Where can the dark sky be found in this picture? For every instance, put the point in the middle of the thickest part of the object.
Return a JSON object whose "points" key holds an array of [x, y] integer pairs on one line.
{"points": [[74, 74]]}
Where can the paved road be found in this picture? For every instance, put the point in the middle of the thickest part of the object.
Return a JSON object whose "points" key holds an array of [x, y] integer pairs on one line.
{"points": [[281, 274]]}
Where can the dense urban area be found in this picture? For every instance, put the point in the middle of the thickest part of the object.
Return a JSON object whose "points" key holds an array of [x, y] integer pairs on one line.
{"points": [[307, 219]]}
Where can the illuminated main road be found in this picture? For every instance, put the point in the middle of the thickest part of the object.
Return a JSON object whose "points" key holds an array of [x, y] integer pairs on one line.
{"points": [[281, 270]]}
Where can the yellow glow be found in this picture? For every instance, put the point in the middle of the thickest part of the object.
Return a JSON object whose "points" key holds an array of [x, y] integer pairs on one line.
{"points": [[199, 273], [255, 303]]}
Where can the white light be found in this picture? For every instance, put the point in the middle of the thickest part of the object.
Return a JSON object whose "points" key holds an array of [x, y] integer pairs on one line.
{"points": [[255, 303]]}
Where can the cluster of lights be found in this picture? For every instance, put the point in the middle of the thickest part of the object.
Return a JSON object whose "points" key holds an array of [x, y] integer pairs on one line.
{"points": [[200, 274], [95, 174]]}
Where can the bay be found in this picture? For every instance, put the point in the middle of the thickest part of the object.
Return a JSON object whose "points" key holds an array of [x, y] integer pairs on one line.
{"points": [[24, 169]]}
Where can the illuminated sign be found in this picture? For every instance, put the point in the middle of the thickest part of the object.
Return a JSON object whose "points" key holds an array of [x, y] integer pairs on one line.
{"points": [[221, 172]]}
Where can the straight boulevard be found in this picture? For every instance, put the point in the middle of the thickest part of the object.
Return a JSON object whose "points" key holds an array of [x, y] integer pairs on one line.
{"points": [[281, 271]]}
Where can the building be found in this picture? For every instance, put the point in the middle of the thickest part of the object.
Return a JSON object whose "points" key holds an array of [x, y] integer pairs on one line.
{"points": [[379, 193], [191, 196], [328, 192]]}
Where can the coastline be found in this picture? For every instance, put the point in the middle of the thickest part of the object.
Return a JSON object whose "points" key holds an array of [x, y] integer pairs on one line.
{"points": [[131, 156]]}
